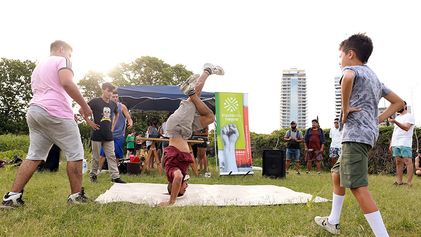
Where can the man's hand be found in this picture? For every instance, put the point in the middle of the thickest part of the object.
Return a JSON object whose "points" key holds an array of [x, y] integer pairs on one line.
{"points": [[163, 204], [86, 112], [93, 125], [347, 112]]}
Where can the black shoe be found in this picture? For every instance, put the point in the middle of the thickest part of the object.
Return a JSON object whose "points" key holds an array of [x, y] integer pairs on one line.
{"points": [[94, 179], [117, 180], [16, 160], [79, 198], [12, 201]]}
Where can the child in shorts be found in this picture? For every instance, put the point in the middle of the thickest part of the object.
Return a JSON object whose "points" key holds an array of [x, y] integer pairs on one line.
{"points": [[361, 92]]}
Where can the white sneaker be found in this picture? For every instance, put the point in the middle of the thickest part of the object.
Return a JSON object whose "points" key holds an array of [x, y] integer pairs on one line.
{"points": [[188, 87], [322, 221], [215, 69]]}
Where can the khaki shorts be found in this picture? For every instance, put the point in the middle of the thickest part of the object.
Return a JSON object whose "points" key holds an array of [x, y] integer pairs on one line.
{"points": [[352, 165], [183, 121], [46, 130]]}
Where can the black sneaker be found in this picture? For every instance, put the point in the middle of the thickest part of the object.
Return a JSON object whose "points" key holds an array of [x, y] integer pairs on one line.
{"points": [[117, 180], [79, 198], [16, 160], [94, 179], [12, 201]]}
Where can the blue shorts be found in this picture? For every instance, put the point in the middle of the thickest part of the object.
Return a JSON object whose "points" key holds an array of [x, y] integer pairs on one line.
{"points": [[402, 151], [293, 152], [118, 148]]}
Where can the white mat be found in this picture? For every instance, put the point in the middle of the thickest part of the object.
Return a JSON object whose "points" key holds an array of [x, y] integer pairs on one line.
{"points": [[206, 195]]}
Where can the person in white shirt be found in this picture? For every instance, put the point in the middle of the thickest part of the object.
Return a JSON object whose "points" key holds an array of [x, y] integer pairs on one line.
{"points": [[335, 145], [401, 144]]}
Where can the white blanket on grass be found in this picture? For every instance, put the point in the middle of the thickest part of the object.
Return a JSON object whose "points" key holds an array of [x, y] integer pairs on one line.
{"points": [[207, 195]]}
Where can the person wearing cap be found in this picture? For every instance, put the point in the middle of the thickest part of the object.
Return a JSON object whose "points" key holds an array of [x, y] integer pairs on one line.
{"points": [[401, 144], [418, 163], [335, 145], [293, 137], [180, 126], [314, 143], [119, 131], [138, 143]]}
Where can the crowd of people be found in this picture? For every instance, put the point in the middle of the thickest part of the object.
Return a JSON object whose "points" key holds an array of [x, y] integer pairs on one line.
{"points": [[51, 121]]}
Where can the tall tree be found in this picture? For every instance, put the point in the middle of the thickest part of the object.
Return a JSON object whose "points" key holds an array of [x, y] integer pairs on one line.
{"points": [[15, 94], [90, 84]]}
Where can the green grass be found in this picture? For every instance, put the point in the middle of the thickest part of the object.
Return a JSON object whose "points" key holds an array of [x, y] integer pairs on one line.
{"points": [[46, 212]]}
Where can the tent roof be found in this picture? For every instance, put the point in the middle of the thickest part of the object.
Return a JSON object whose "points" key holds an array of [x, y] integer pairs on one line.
{"points": [[158, 97]]}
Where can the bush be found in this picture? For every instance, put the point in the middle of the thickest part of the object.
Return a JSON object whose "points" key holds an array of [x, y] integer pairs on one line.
{"points": [[14, 142]]}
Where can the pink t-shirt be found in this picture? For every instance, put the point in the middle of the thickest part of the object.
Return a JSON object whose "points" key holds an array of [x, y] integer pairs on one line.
{"points": [[48, 92]]}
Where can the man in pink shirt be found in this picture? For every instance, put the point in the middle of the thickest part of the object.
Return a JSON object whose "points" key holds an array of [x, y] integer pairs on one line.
{"points": [[51, 121]]}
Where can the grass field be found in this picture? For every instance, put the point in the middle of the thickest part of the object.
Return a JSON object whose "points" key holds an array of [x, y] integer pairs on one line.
{"points": [[46, 212]]}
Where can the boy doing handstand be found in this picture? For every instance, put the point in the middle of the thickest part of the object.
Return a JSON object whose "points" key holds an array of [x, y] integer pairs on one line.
{"points": [[180, 126]]}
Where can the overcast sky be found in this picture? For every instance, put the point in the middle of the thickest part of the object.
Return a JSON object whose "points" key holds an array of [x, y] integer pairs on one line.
{"points": [[252, 40]]}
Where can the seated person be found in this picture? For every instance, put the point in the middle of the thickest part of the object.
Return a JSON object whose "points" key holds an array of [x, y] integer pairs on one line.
{"points": [[418, 163]]}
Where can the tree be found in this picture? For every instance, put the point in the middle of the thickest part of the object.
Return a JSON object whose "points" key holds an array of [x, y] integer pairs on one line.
{"points": [[148, 70], [91, 84], [15, 94]]}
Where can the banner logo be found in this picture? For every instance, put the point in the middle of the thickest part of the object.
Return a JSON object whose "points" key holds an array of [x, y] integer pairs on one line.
{"points": [[231, 104]]}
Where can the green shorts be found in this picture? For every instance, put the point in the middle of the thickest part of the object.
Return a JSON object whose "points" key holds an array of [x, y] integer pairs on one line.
{"points": [[352, 165]]}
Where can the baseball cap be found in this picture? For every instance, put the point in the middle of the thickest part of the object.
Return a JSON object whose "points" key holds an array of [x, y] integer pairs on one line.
{"points": [[140, 132], [293, 122]]}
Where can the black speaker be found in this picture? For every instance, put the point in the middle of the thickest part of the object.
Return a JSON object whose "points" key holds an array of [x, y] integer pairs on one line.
{"points": [[274, 163]]}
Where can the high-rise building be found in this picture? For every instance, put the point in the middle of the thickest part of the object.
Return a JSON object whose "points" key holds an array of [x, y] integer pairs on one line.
{"points": [[293, 102], [338, 96]]}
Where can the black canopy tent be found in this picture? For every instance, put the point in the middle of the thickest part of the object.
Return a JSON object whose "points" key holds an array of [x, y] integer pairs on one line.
{"points": [[158, 97]]}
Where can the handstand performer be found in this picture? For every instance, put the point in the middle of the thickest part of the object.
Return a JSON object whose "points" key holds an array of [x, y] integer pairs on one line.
{"points": [[180, 126]]}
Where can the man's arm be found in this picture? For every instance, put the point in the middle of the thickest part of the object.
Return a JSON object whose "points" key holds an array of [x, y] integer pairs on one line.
{"points": [[404, 127], [395, 104], [176, 184], [114, 122], [346, 89], [66, 80], [126, 114]]}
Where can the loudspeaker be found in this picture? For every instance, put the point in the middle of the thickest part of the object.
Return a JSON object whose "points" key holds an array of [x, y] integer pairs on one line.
{"points": [[274, 163]]}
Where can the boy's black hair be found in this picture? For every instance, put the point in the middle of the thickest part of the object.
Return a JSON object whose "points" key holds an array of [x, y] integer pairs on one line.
{"points": [[169, 188], [108, 85], [336, 119], [315, 120], [360, 44]]}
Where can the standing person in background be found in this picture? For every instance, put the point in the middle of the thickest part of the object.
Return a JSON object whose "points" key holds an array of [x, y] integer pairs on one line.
{"points": [[102, 132], [51, 121], [162, 130], [152, 133], [401, 144], [335, 145], [201, 148], [119, 131], [293, 137], [130, 143], [314, 143], [138, 143]]}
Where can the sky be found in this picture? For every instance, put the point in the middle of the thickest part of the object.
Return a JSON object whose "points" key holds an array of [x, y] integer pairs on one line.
{"points": [[252, 40]]}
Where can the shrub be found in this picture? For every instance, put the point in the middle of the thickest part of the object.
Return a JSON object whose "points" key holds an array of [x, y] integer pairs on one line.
{"points": [[14, 142]]}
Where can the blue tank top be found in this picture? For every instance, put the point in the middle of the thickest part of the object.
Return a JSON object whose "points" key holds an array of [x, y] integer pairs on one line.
{"points": [[120, 126]]}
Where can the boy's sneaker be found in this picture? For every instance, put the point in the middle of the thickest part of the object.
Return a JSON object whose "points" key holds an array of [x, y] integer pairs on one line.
{"points": [[117, 180], [12, 201], [214, 69], [308, 172], [319, 173], [322, 221], [188, 87], [79, 198], [297, 173], [287, 172], [94, 179]]}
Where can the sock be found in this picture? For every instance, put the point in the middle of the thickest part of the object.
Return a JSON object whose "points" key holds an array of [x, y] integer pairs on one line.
{"points": [[209, 70], [335, 213], [376, 223]]}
